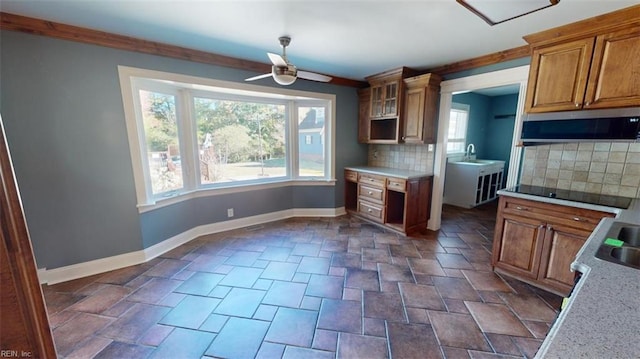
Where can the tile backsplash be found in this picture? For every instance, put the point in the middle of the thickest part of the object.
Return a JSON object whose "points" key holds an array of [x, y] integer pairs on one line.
{"points": [[611, 168], [405, 157]]}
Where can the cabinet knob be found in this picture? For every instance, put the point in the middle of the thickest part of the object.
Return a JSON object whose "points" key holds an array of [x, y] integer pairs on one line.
{"points": [[587, 104], [577, 105], [369, 210], [577, 219], [371, 179], [370, 193], [522, 208], [403, 138]]}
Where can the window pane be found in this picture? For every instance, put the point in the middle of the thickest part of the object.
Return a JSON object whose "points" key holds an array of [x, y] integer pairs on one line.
{"points": [[240, 141], [311, 121], [457, 132], [161, 135]]}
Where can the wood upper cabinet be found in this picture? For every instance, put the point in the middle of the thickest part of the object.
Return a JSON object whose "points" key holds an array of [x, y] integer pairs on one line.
{"points": [[614, 80], [385, 98], [586, 65], [364, 103], [420, 116], [386, 105], [537, 242], [558, 76]]}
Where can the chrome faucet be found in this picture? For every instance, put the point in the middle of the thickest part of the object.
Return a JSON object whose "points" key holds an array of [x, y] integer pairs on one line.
{"points": [[471, 149]]}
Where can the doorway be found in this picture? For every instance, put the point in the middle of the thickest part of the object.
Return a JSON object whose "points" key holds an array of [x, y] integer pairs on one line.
{"points": [[510, 77]]}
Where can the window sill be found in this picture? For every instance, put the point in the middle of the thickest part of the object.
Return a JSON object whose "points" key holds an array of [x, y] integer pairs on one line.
{"points": [[209, 192]]}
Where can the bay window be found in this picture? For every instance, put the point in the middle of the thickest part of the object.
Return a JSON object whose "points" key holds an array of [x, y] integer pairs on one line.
{"points": [[189, 134]]}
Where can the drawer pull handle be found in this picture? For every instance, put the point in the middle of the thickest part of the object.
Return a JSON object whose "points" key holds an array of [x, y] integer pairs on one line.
{"points": [[369, 210], [577, 219], [371, 179], [522, 208], [370, 193]]}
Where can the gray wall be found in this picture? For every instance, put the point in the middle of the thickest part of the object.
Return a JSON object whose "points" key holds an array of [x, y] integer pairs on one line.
{"points": [[62, 110]]}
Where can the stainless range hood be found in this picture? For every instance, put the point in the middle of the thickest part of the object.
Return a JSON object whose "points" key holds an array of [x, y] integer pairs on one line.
{"points": [[610, 125]]}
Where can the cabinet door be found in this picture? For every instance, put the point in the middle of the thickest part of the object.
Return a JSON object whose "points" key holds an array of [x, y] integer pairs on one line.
{"points": [[364, 125], [413, 115], [377, 99], [391, 98], [614, 80], [520, 244], [558, 76], [561, 245]]}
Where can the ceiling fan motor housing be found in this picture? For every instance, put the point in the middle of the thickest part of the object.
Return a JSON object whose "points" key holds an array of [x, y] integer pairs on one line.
{"points": [[284, 75]]}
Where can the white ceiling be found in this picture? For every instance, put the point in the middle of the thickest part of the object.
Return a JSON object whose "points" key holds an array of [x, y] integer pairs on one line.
{"points": [[352, 38]]}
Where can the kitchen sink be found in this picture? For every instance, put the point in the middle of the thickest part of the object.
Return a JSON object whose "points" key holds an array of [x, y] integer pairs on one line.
{"points": [[629, 255], [630, 235], [476, 162], [624, 249]]}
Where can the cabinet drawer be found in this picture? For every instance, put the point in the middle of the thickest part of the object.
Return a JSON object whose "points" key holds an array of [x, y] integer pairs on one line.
{"points": [[373, 180], [396, 184], [351, 176], [556, 214], [371, 193], [372, 211]]}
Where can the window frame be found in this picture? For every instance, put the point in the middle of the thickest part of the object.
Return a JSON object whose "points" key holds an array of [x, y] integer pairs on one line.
{"points": [[462, 107], [186, 88]]}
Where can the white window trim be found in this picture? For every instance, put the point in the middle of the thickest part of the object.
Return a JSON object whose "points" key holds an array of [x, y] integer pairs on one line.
{"points": [[135, 132]]}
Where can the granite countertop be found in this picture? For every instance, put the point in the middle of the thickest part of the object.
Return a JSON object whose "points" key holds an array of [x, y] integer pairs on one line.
{"points": [[601, 318], [393, 172]]}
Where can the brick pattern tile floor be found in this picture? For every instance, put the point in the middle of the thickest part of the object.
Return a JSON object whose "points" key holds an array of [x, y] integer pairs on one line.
{"points": [[309, 288]]}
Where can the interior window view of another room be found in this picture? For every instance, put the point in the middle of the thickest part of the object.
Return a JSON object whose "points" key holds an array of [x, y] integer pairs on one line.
{"points": [[480, 134]]}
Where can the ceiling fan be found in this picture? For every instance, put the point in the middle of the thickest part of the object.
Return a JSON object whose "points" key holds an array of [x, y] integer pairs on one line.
{"points": [[284, 72]]}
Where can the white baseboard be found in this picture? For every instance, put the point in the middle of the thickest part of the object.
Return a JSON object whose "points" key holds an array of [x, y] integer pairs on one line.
{"points": [[102, 265]]}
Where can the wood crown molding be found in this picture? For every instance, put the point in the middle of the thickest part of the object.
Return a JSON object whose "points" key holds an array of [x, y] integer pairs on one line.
{"points": [[590, 27], [74, 33], [485, 60]]}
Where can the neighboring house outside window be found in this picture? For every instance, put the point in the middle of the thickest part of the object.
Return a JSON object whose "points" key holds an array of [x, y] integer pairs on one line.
{"points": [[190, 133]]}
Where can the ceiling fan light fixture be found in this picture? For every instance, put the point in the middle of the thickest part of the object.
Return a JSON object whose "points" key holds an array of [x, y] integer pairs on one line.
{"points": [[498, 11], [284, 75]]}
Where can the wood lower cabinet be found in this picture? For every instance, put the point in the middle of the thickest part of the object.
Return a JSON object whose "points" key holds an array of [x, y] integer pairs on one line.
{"points": [[400, 204], [536, 242], [560, 248]]}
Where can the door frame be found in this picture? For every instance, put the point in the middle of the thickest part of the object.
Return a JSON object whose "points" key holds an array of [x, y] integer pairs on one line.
{"points": [[516, 75]]}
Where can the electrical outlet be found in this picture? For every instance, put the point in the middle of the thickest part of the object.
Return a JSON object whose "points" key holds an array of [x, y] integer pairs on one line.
{"points": [[230, 212]]}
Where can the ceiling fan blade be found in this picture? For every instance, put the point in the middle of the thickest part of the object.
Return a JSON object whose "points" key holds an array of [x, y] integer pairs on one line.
{"points": [[258, 77], [313, 76], [277, 59]]}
